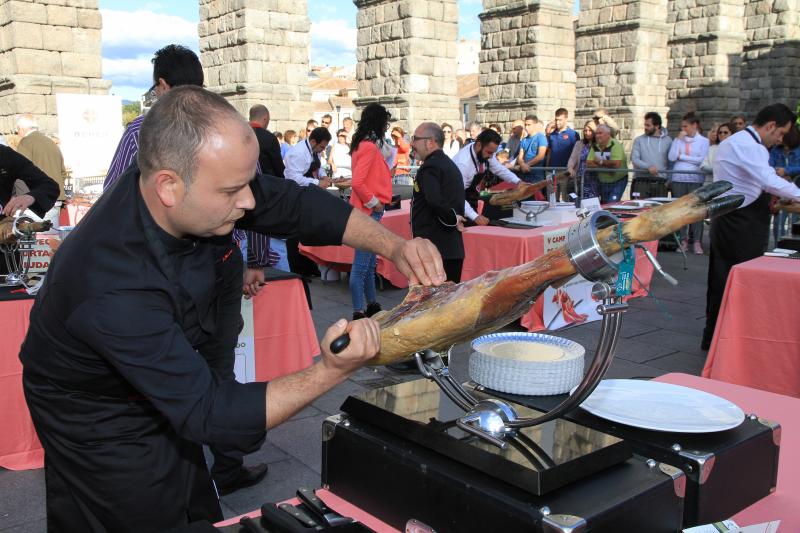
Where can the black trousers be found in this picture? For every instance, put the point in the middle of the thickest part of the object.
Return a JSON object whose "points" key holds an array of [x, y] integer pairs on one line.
{"points": [[735, 238], [298, 263], [452, 267]]}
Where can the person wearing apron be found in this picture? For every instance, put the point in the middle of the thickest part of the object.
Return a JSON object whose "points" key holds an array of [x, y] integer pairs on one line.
{"points": [[477, 161], [303, 166], [743, 160]]}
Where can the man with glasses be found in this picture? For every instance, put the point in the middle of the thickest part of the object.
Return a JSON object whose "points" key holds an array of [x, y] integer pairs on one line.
{"points": [[173, 65], [437, 207]]}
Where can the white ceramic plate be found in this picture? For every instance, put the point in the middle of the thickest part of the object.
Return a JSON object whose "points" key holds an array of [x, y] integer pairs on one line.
{"points": [[661, 199], [662, 407]]}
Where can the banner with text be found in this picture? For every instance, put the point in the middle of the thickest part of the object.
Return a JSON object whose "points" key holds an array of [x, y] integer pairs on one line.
{"points": [[89, 126]]}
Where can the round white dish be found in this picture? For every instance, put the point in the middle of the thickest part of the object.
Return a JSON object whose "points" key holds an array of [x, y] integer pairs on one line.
{"points": [[662, 407]]}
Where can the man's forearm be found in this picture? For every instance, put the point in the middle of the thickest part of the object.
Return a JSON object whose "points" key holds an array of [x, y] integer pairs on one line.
{"points": [[363, 233], [287, 395]]}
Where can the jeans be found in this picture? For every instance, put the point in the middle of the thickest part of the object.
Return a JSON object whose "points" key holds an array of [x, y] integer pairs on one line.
{"points": [[279, 247], [362, 275], [694, 231], [612, 192]]}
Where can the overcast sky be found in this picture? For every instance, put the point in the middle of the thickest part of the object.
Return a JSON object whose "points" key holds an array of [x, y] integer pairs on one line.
{"points": [[132, 31]]}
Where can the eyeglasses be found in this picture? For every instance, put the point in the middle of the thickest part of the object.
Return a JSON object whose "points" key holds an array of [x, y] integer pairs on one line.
{"points": [[414, 138], [723, 133]]}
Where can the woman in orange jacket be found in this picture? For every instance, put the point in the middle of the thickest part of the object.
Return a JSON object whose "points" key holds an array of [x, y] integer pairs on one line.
{"points": [[371, 190]]}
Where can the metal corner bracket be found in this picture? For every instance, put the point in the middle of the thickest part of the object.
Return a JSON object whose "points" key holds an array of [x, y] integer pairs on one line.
{"points": [[563, 523], [705, 460], [678, 478]]}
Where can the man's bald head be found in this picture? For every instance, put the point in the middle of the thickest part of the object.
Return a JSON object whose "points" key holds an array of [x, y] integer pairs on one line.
{"points": [[428, 137], [432, 130], [179, 124]]}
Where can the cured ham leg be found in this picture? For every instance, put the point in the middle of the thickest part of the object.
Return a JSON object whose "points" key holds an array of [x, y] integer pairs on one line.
{"points": [[7, 229], [517, 194], [437, 317]]}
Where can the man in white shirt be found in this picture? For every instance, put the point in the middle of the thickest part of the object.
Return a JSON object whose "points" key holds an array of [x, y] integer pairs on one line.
{"points": [[475, 161], [303, 163], [743, 160]]}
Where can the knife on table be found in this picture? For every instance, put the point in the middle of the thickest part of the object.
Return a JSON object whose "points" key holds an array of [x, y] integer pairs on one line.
{"points": [[299, 513], [326, 515]]}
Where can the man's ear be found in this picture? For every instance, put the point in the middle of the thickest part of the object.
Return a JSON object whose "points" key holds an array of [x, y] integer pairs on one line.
{"points": [[169, 187], [162, 83]]}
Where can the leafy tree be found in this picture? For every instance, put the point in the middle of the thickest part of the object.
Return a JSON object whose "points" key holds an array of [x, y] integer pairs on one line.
{"points": [[130, 111]]}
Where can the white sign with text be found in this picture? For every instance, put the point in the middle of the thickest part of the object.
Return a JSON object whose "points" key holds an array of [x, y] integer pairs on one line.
{"points": [[89, 126]]}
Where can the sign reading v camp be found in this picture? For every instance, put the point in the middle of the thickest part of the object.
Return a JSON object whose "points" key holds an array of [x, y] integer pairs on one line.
{"points": [[555, 238]]}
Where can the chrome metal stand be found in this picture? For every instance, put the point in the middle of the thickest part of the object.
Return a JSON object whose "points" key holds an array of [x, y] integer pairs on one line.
{"points": [[18, 254], [496, 421]]}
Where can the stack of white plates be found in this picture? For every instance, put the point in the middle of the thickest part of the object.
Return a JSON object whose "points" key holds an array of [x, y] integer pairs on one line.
{"points": [[526, 363]]}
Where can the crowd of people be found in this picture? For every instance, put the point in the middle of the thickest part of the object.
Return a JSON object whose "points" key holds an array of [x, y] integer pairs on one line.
{"points": [[128, 361]]}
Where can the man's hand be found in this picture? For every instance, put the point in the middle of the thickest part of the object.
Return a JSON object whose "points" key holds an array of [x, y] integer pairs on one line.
{"points": [[524, 167], [325, 182], [253, 282], [653, 170], [420, 261], [378, 208], [18, 203], [780, 172], [365, 343], [481, 221], [460, 223]]}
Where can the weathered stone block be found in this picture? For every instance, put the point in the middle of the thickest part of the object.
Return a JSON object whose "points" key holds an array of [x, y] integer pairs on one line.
{"points": [[89, 18], [25, 11], [22, 35], [62, 16], [84, 65]]}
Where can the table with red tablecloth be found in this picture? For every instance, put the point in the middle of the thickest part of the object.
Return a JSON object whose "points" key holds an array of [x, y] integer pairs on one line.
{"points": [[757, 339], [71, 214], [783, 504], [485, 248], [285, 342]]}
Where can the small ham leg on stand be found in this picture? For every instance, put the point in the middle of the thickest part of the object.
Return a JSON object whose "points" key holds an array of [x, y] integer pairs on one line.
{"points": [[438, 317]]}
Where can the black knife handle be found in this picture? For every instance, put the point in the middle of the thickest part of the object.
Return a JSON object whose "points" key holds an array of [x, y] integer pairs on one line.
{"points": [[299, 514], [340, 343], [278, 521]]}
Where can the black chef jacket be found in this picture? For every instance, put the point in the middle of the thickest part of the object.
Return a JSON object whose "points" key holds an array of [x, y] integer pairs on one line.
{"points": [[114, 362], [15, 166], [438, 198]]}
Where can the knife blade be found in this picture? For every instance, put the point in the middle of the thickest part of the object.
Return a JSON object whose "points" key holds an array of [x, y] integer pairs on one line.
{"points": [[327, 516]]}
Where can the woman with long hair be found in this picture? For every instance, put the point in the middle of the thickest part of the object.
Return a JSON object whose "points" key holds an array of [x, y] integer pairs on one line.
{"points": [[715, 138], [451, 143], [371, 190], [577, 163]]}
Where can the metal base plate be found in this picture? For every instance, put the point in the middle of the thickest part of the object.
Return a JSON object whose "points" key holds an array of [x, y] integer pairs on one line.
{"points": [[541, 459]]}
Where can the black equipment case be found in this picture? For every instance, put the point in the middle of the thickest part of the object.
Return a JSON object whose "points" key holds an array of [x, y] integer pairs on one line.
{"points": [[726, 471], [397, 481]]}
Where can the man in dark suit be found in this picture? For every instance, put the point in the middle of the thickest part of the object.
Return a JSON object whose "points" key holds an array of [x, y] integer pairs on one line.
{"points": [[269, 149], [43, 190], [437, 209]]}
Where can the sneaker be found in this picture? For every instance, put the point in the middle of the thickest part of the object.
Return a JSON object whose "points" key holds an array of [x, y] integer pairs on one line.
{"points": [[698, 248], [373, 309], [685, 245], [358, 315]]}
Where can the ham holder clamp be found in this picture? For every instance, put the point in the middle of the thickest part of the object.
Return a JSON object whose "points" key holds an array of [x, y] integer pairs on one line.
{"points": [[17, 239]]}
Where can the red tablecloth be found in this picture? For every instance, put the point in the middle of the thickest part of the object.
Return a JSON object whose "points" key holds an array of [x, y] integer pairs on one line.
{"points": [[285, 342], [757, 339], [72, 214], [486, 248], [784, 503]]}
